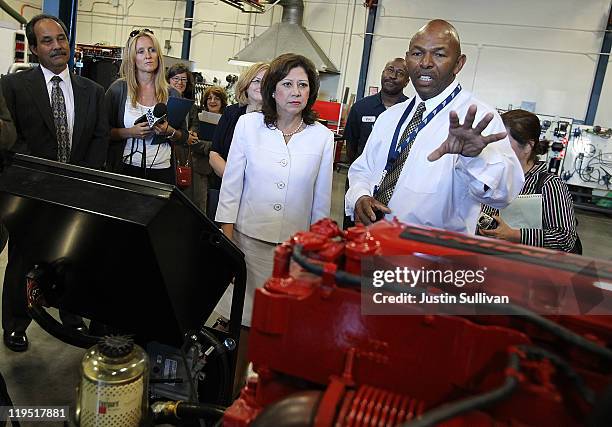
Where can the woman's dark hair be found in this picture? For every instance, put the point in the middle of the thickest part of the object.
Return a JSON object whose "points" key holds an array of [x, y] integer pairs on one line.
{"points": [[180, 68], [524, 127], [279, 68], [219, 92]]}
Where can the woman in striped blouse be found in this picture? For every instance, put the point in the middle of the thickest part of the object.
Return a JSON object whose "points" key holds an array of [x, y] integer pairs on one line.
{"points": [[558, 221]]}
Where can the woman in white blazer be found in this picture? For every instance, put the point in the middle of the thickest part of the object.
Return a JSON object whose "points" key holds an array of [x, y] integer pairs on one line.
{"points": [[278, 178]]}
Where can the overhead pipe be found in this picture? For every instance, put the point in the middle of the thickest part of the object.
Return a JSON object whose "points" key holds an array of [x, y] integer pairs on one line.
{"points": [[21, 66], [12, 12], [23, 6], [293, 11]]}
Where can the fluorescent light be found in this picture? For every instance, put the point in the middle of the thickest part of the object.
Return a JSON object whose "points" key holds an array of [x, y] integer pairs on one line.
{"points": [[603, 285], [239, 63]]}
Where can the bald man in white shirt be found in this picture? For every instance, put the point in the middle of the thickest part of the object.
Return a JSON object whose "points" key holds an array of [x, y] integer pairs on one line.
{"points": [[443, 169]]}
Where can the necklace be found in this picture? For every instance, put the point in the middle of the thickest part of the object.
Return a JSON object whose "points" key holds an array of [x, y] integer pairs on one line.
{"points": [[296, 130]]}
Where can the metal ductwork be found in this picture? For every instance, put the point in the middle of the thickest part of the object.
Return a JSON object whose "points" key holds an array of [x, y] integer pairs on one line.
{"points": [[21, 66], [12, 12], [287, 36]]}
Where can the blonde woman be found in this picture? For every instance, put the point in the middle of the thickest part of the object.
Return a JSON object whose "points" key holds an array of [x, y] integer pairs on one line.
{"points": [[136, 149], [248, 94]]}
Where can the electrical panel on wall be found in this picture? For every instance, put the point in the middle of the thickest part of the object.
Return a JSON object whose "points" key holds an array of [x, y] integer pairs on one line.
{"points": [[557, 130], [588, 161]]}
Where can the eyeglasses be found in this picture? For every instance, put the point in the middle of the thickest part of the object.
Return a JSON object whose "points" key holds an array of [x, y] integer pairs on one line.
{"points": [[144, 30], [179, 79]]}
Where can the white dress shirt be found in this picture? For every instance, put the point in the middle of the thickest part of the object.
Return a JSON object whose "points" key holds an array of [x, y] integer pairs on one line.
{"points": [[446, 193], [270, 189], [66, 87]]}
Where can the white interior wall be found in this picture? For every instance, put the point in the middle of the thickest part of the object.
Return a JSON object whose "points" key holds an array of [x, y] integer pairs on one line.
{"points": [[542, 51], [517, 51], [220, 31]]}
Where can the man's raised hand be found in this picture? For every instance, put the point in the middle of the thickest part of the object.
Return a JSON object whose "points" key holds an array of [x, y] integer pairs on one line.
{"points": [[463, 138]]}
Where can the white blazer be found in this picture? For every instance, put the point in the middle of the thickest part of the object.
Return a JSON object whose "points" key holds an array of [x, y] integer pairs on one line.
{"points": [[270, 189]]}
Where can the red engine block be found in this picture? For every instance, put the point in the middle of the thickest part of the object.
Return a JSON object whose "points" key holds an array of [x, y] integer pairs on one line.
{"points": [[308, 333]]}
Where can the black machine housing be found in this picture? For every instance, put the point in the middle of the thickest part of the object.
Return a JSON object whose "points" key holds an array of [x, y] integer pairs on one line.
{"points": [[132, 254]]}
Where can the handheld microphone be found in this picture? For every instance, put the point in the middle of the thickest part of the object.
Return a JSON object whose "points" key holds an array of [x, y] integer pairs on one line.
{"points": [[154, 115]]}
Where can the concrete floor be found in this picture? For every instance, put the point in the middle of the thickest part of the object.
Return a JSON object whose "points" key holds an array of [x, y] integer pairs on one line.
{"points": [[48, 372]]}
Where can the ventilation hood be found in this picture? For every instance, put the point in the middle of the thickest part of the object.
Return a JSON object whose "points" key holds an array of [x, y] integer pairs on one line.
{"points": [[287, 36]]}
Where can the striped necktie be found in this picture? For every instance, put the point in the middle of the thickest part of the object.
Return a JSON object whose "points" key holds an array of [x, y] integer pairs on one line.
{"points": [[387, 186], [58, 107]]}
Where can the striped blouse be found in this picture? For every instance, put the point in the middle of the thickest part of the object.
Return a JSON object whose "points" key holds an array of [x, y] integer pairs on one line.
{"points": [[558, 220]]}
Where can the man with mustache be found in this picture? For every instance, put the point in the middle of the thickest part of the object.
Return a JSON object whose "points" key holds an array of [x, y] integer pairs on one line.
{"points": [[58, 116], [420, 163]]}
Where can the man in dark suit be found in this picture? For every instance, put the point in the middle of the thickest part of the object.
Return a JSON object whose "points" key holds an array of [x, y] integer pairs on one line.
{"points": [[7, 139], [58, 116]]}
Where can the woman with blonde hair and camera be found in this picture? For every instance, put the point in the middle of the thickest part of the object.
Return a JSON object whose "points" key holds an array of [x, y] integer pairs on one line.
{"points": [[137, 149]]}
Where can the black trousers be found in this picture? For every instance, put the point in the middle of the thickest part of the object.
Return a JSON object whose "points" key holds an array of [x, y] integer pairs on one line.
{"points": [[5, 403], [160, 175], [348, 221], [15, 317]]}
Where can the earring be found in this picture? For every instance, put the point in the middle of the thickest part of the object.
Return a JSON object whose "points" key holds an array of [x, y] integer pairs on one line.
{"points": [[273, 93]]}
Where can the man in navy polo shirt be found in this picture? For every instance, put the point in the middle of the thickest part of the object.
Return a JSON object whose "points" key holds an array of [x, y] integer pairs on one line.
{"points": [[364, 112]]}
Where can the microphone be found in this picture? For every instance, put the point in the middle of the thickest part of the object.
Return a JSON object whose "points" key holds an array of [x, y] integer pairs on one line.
{"points": [[154, 115]]}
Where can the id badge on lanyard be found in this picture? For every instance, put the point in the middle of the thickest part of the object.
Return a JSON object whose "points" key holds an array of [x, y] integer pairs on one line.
{"points": [[394, 149]]}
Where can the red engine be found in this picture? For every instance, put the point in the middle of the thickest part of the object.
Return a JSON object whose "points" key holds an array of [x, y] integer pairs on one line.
{"points": [[321, 362]]}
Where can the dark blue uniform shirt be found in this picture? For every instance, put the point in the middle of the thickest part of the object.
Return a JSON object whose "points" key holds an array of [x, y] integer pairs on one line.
{"points": [[360, 123]]}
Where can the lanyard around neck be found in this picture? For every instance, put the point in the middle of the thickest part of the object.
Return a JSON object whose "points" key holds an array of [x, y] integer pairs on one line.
{"points": [[394, 149]]}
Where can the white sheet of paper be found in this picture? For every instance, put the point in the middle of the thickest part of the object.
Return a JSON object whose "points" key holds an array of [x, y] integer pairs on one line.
{"points": [[208, 117], [524, 212]]}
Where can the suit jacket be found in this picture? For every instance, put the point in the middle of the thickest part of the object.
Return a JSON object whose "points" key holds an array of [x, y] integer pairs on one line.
{"points": [[27, 99], [7, 129]]}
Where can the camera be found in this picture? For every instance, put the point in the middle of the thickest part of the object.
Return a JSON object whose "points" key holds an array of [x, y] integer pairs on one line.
{"points": [[487, 222]]}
